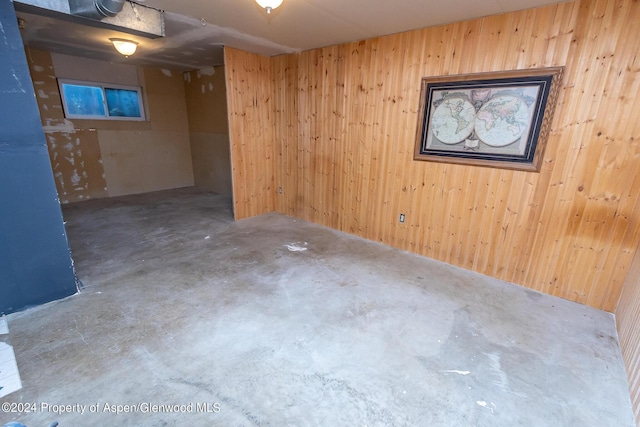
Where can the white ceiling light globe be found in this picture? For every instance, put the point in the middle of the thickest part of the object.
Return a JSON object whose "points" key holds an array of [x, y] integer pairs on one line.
{"points": [[125, 47], [269, 5]]}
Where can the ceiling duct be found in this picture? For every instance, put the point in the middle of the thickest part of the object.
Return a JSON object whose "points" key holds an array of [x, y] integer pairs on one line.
{"points": [[96, 9], [125, 16]]}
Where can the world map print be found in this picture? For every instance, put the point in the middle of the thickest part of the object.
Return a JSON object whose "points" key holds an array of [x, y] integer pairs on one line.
{"points": [[454, 120], [502, 120]]}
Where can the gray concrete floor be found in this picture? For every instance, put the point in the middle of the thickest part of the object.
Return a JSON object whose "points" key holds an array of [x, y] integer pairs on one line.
{"points": [[273, 321]]}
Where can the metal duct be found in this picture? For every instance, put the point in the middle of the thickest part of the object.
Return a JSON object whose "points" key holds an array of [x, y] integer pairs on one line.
{"points": [[109, 7], [136, 19], [96, 9]]}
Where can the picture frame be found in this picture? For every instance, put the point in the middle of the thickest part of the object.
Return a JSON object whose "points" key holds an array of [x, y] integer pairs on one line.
{"points": [[496, 119]]}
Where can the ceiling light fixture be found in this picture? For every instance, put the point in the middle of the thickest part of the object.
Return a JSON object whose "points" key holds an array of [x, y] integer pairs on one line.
{"points": [[269, 5], [125, 47]]}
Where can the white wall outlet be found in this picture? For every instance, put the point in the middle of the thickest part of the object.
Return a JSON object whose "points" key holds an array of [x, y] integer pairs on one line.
{"points": [[401, 217]]}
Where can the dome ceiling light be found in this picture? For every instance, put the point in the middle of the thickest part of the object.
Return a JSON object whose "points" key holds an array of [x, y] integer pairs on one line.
{"points": [[125, 47], [269, 5]]}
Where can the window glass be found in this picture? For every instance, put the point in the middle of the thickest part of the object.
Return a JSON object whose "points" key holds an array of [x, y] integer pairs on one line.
{"points": [[84, 100], [123, 102]]}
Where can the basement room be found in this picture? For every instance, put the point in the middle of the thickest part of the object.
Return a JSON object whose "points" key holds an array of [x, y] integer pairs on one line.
{"points": [[319, 213]]}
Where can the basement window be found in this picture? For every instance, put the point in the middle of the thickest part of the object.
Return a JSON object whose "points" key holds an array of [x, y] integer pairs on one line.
{"points": [[84, 100]]}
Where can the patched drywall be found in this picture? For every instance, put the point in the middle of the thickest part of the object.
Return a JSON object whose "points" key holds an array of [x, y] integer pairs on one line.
{"points": [[74, 153], [206, 98], [106, 158], [77, 166]]}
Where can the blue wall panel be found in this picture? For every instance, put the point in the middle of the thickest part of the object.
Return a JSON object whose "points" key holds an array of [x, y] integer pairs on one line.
{"points": [[35, 263]]}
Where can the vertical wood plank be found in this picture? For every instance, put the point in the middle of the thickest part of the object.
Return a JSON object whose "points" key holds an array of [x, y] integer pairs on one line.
{"points": [[251, 123]]}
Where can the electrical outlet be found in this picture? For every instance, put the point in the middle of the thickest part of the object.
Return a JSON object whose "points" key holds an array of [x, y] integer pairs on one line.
{"points": [[401, 217], [279, 190]]}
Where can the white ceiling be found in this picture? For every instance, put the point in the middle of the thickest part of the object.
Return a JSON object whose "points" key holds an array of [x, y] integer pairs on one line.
{"points": [[196, 30]]}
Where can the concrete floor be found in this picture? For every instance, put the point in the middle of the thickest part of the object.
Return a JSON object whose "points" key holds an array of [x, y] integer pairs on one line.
{"points": [[273, 321]]}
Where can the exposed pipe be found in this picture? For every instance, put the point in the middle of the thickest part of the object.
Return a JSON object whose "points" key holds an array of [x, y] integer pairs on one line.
{"points": [[109, 7], [96, 9]]}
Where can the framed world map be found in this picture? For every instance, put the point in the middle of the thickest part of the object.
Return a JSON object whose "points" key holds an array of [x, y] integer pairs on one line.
{"points": [[498, 119]]}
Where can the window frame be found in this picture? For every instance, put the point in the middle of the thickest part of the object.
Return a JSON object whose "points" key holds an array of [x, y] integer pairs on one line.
{"points": [[102, 86]]}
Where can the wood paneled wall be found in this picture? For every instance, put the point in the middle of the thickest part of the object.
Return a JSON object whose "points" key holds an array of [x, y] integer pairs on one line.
{"points": [[249, 105], [628, 319], [334, 128]]}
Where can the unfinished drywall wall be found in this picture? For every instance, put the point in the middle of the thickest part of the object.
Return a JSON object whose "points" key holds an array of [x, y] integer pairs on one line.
{"points": [[208, 129], [35, 263], [74, 153], [342, 123], [138, 161], [106, 158]]}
